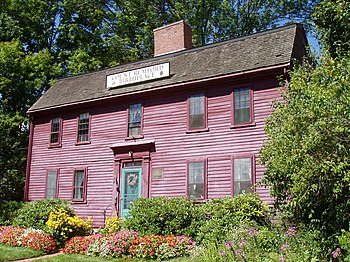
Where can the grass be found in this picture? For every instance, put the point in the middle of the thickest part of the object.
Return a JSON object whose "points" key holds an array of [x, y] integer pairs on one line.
{"points": [[9, 253], [78, 258]]}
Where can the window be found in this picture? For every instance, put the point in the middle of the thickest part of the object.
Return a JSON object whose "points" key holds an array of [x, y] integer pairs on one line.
{"points": [[243, 175], [83, 127], [197, 112], [132, 164], [134, 120], [51, 184], [242, 106], [55, 134], [196, 180], [79, 186]]}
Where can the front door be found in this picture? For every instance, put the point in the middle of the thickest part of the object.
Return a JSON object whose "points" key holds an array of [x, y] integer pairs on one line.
{"points": [[131, 188]]}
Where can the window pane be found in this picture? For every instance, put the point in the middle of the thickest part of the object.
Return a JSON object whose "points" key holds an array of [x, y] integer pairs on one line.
{"points": [[79, 178], [134, 131], [54, 138], [197, 110], [132, 164], [242, 175], [78, 193], [242, 188], [196, 180], [55, 125], [134, 121], [51, 185], [242, 105]]}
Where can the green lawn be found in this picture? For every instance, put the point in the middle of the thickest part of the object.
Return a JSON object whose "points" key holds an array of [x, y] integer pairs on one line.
{"points": [[78, 258], [9, 253]]}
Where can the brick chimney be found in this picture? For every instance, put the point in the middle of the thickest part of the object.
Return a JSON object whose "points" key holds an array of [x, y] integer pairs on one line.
{"points": [[172, 38]]}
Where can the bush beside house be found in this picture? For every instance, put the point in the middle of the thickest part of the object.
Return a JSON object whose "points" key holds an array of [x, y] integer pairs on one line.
{"points": [[228, 229]]}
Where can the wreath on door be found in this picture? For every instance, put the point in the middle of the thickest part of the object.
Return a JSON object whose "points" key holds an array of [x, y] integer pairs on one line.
{"points": [[132, 179]]}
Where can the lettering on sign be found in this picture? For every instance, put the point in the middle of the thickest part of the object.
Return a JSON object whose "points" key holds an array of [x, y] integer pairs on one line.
{"points": [[138, 75]]}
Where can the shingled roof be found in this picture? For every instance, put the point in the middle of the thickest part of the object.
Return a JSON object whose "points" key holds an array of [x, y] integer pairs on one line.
{"points": [[260, 50]]}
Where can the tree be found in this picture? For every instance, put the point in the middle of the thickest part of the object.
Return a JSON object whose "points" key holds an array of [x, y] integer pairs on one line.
{"points": [[307, 155], [332, 18]]}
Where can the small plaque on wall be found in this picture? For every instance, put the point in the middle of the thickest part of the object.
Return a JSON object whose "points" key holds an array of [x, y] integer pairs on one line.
{"points": [[157, 173]]}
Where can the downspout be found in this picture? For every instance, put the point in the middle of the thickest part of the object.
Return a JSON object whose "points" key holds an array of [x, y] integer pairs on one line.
{"points": [[29, 158]]}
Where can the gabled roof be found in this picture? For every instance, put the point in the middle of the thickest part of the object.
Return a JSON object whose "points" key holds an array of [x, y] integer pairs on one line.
{"points": [[260, 50]]}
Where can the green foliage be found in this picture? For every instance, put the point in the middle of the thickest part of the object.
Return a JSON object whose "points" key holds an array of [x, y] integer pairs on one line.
{"points": [[62, 225], [344, 242], [307, 155], [8, 211], [332, 18], [113, 225], [164, 216], [225, 213], [35, 214], [246, 243]]}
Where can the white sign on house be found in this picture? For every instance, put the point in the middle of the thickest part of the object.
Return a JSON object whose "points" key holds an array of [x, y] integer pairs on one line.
{"points": [[138, 75]]}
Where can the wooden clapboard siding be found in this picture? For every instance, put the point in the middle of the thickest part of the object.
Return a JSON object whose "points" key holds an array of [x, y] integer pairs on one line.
{"points": [[164, 121]]}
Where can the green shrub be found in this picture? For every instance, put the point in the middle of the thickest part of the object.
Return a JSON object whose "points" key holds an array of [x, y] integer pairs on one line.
{"points": [[35, 214], [344, 242], [261, 243], [8, 211], [165, 216], [225, 213]]}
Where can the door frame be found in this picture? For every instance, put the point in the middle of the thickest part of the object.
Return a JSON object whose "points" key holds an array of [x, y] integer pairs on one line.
{"points": [[117, 179], [139, 189]]}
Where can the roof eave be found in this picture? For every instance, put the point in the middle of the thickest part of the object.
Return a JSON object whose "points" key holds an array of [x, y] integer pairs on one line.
{"points": [[199, 81]]}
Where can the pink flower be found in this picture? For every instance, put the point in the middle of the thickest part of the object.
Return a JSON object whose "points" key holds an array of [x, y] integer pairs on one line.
{"points": [[253, 232], [229, 244], [222, 253], [292, 231], [284, 247], [336, 253]]}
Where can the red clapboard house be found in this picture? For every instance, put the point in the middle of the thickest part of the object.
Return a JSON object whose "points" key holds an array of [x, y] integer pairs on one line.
{"points": [[187, 122]]}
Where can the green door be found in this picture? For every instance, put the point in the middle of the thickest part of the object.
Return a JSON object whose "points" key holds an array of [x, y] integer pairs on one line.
{"points": [[131, 188]]}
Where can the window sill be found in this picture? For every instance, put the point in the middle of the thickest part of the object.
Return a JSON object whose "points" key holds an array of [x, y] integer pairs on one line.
{"points": [[242, 125], [82, 143], [190, 131], [134, 137], [199, 200], [78, 201], [54, 145]]}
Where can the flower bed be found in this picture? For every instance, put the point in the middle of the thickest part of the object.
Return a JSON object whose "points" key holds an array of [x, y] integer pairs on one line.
{"points": [[160, 247], [34, 239], [128, 244]]}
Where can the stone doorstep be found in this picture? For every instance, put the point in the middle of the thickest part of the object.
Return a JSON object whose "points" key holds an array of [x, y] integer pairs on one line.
{"points": [[41, 257]]}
